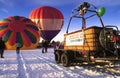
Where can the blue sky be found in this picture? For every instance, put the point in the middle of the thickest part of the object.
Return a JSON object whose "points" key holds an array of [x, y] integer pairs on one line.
{"points": [[24, 7]]}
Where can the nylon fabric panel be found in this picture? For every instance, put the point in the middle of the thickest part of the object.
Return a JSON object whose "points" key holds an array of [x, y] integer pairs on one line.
{"points": [[26, 39], [50, 24], [49, 34], [46, 12], [12, 39]]}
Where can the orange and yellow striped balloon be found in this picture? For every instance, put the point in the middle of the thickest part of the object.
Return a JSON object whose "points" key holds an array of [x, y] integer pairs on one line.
{"points": [[19, 29], [49, 19]]}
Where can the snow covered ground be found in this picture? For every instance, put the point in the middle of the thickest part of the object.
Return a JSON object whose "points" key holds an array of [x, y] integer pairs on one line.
{"points": [[34, 64]]}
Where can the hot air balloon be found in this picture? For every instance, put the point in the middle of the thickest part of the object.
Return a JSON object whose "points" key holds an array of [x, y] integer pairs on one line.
{"points": [[19, 29], [50, 21]]}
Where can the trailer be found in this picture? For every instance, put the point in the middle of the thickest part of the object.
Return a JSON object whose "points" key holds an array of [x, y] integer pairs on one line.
{"points": [[89, 44]]}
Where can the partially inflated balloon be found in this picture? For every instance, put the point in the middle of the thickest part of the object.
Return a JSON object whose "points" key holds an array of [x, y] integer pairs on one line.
{"points": [[101, 11], [50, 21], [19, 29]]}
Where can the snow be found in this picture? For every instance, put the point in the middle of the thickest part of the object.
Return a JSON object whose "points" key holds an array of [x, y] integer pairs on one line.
{"points": [[35, 64]]}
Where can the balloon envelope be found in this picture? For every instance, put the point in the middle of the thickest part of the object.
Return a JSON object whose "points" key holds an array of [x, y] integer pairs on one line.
{"points": [[50, 21], [19, 29], [101, 11]]}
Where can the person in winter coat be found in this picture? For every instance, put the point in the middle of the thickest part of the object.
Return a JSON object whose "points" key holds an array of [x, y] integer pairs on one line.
{"points": [[44, 45], [54, 45], [2, 47], [18, 46]]}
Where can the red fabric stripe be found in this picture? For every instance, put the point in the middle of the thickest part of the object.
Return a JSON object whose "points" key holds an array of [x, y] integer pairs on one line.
{"points": [[12, 39], [37, 35], [2, 32], [26, 40], [46, 12]]}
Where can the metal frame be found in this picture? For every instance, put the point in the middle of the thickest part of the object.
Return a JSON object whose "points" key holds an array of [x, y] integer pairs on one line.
{"points": [[82, 16]]}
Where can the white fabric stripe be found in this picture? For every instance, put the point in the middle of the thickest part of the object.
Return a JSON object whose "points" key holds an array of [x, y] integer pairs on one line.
{"points": [[49, 24]]}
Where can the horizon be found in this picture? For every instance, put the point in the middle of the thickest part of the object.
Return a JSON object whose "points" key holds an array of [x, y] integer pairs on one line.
{"points": [[111, 17]]}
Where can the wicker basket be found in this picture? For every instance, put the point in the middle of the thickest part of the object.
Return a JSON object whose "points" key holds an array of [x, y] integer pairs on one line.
{"points": [[91, 40]]}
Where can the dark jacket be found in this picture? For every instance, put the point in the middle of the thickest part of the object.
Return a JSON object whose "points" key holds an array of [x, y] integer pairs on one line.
{"points": [[2, 44]]}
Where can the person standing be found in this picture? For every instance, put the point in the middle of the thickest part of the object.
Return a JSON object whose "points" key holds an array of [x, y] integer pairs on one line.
{"points": [[2, 47], [44, 45], [53, 44], [18, 45]]}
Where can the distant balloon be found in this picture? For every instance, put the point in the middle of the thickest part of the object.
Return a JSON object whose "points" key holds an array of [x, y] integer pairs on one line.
{"points": [[19, 29], [50, 21], [101, 11]]}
